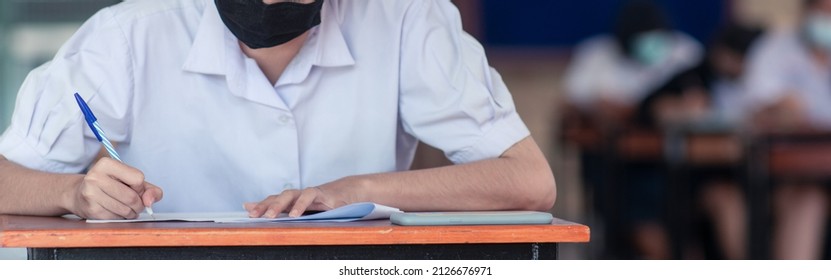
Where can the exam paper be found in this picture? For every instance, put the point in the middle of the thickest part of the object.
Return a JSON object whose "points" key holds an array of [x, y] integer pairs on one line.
{"points": [[179, 217], [348, 213]]}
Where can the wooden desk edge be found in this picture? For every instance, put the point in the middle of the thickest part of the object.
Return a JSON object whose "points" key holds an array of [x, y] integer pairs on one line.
{"points": [[215, 236]]}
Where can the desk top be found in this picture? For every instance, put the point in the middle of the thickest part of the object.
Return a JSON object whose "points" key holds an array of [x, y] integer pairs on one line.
{"points": [[698, 148], [53, 232]]}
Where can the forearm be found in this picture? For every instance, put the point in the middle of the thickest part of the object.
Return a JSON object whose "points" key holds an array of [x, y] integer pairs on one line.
{"points": [[25, 191], [520, 179]]}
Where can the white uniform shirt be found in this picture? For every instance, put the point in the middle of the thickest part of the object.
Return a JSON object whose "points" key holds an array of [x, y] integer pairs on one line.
{"points": [[169, 83], [780, 64], [729, 102], [599, 68]]}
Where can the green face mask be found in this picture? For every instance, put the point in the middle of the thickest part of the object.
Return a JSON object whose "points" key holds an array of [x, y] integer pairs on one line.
{"points": [[652, 47], [818, 29]]}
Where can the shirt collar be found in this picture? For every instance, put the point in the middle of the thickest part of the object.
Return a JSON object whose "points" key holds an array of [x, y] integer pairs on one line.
{"points": [[208, 51], [330, 47]]}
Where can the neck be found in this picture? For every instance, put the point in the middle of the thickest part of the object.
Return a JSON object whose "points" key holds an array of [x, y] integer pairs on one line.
{"points": [[274, 60]]}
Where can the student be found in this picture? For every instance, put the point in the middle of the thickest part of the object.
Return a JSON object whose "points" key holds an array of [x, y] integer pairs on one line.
{"points": [[789, 89], [617, 71], [721, 198], [726, 69], [290, 105], [609, 77], [711, 96]]}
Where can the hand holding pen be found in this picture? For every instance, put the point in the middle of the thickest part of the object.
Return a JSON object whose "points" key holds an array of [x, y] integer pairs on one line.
{"points": [[111, 189]]}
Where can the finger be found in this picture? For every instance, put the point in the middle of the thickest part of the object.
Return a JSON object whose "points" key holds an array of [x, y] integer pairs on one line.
{"points": [[96, 212], [306, 198], [113, 205], [152, 194], [249, 206], [122, 194], [258, 209], [262, 207], [322, 202], [92, 192], [129, 175], [275, 204]]}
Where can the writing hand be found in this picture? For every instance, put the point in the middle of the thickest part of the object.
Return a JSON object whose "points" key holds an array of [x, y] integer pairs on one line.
{"points": [[112, 190]]}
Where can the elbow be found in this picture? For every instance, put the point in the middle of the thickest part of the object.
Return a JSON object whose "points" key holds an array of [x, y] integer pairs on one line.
{"points": [[547, 194], [537, 189], [541, 193]]}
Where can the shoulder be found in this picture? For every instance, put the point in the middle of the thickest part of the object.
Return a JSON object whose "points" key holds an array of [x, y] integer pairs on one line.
{"points": [[398, 6], [598, 49], [686, 42], [389, 12], [598, 44], [132, 25], [778, 39], [686, 50], [132, 13], [776, 45], [132, 10]]}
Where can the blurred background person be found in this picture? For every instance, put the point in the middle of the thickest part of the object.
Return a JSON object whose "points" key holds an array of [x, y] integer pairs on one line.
{"points": [[789, 85], [709, 95], [706, 100], [609, 77], [724, 74], [611, 73], [721, 198]]}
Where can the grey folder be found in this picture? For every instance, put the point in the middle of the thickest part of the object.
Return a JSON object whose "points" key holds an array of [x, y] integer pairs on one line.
{"points": [[471, 218]]}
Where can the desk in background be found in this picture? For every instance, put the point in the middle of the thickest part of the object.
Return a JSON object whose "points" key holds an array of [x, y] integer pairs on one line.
{"points": [[797, 156], [58, 238], [680, 152]]}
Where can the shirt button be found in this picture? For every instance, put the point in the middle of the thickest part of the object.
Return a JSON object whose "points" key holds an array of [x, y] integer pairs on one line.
{"points": [[288, 186], [285, 118]]}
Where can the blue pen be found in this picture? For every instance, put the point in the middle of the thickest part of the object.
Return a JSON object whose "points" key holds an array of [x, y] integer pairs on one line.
{"points": [[99, 133]]}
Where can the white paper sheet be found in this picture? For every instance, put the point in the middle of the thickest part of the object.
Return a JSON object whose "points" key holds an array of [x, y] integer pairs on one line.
{"points": [[348, 213]]}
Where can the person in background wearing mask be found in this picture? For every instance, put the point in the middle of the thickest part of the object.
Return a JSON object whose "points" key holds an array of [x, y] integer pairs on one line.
{"points": [[709, 95], [721, 198], [612, 73], [717, 81], [789, 89], [724, 75], [607, 79], [285, 106]]}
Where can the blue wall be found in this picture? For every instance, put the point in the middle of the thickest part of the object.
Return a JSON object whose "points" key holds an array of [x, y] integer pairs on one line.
{"points": [[563, 23]]}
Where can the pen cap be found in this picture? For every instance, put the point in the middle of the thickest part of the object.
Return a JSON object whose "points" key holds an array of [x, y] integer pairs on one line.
{"points": [[85, 109], [90, 118]]}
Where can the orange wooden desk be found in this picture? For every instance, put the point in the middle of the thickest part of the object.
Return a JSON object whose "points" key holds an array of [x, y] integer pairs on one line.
{"points": [[58, 238]]}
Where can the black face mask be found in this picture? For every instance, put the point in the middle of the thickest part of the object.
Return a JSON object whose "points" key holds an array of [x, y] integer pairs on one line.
{"points": [[258, 25]]}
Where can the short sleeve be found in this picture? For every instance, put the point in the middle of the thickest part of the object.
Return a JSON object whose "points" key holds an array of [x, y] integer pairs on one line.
{"points": [[450, 98], [47, 130]]}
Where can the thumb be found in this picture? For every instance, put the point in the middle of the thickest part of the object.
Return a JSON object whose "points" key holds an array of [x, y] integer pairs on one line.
{"points": [[152, 194]]}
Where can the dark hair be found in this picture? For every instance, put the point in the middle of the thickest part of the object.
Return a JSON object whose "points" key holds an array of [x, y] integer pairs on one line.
{"points": [[737, 38], [807, 4], [635, 17]]}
